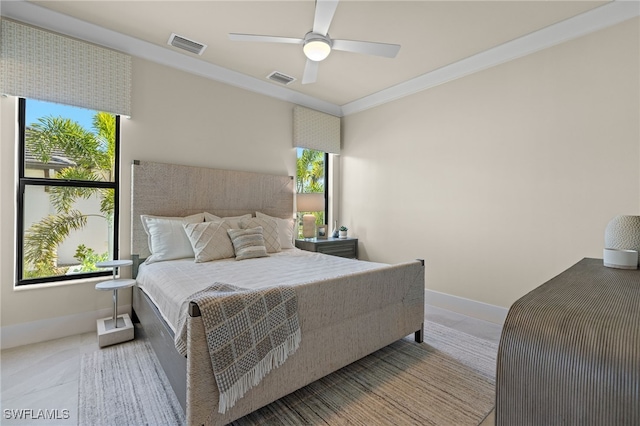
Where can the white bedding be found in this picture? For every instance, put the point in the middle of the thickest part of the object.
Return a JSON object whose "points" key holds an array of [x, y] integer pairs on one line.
{"points": [[169, 284]]}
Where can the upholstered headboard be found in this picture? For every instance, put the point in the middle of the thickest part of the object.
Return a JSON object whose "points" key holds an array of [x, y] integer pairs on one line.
{"points": [[174, 190]]}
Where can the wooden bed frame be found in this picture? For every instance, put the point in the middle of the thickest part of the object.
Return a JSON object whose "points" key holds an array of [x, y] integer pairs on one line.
{"points": [[174, 190]]}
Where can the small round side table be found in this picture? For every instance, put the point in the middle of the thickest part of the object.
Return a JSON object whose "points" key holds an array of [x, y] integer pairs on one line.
{"points": [[118, 328]]}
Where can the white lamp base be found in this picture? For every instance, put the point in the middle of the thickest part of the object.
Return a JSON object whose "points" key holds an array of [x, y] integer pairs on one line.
{"points": [[621, 259], [308, 226]]}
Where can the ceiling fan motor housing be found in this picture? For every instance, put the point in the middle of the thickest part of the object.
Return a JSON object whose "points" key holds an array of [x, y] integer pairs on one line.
{"points": [[316, 46]]}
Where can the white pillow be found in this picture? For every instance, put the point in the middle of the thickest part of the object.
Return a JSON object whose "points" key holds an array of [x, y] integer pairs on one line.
{"points": [[233, 220], [285, 229], [269, 231], [210, 240], [166, 236]]}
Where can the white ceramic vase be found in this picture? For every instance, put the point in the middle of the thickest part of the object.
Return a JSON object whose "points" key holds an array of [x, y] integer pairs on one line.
{"points": [[342, 234], [623, 232]]}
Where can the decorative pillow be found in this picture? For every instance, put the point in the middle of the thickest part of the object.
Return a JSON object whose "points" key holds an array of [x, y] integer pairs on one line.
{"points": [[285, 229], [233, 220], [269, 232], [209, 240], [248, 243], [166, 236]]}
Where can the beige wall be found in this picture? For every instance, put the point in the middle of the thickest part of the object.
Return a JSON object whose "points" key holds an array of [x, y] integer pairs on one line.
{"points": [[502, 179], [499, 180], [177, 118]]}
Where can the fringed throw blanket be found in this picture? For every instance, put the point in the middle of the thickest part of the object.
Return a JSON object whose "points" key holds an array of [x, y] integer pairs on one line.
{"points": [[249, 332]]}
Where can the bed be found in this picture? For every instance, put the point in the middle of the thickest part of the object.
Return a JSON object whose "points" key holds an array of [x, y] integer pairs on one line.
{"points": [[347, 308]]}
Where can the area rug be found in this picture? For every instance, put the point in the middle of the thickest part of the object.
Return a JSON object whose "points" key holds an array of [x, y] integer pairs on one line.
{"points": [[448, 380], [124, 385]]}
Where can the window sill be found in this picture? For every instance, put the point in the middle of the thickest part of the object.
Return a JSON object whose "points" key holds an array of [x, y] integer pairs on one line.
{"points": [[80, 281]]}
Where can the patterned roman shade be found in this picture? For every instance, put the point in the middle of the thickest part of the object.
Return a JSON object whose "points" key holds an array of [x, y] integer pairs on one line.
{"points": [[316, 130], [42, 65]]}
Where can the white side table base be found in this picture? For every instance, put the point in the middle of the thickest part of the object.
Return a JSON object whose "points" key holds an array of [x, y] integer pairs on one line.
{"points": [[110, 335], [118, 328]]}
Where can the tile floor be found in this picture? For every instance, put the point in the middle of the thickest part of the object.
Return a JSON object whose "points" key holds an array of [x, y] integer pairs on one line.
{"points": [[45, 376]]}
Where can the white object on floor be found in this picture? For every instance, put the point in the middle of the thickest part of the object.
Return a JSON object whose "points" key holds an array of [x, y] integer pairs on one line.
{"points": [[116, 329], [110, 335]]}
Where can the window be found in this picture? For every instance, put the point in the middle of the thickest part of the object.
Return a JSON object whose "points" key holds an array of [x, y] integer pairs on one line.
{"points": [[312, 177], [68, 191]]}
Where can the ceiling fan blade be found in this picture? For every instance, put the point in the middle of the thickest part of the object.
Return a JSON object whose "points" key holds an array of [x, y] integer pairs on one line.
{"points": [[310, 72], [324, 15], [264, 38], [367, 47]]}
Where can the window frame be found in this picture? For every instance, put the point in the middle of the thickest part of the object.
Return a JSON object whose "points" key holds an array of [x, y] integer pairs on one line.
{"points": [[23, 182], [326, 190], [325, 212]]}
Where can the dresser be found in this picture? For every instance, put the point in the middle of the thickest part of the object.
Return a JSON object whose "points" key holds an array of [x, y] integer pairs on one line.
{"points": [[570, 351]]}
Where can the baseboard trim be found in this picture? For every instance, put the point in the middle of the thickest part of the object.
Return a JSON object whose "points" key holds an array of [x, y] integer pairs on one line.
{"points": [[54, 328], [70, 325], [472, 308]]}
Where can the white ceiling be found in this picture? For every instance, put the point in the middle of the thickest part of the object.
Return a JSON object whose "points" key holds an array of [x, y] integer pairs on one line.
{"points": [[433, 35]]}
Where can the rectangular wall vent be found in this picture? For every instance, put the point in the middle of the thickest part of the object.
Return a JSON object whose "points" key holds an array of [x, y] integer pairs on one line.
{"points": [[185, 44], [281, 78]]}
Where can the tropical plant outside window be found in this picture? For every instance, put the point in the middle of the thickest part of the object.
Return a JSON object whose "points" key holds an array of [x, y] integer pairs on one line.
{"points": [[311, 177], [67, 204]]}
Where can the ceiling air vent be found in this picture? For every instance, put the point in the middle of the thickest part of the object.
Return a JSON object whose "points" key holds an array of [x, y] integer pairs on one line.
{"points": [[185, 44], [278, 77]]}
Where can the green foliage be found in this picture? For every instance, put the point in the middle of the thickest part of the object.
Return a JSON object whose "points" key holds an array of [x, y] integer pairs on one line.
{"points": [[88, 258], [105, 126], [310, 171], [310, 178], [57, 133], [93, 159], [42, 239], [107, 203], [344, 228], [42, 269], [63, 197]]}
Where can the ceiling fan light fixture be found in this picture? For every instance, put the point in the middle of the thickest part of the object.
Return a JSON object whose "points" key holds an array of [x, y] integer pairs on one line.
{"points": [[316, 47]]}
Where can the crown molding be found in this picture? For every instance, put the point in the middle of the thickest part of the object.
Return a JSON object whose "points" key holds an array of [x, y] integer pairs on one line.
{"points": [[593, 20], [580, 25]]}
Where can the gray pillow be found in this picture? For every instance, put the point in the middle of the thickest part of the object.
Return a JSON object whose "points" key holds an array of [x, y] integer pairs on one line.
{"points": [[248, 243]]}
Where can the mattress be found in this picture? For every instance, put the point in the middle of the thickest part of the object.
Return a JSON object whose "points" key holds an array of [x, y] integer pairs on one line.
{"points": [[170, 283]]}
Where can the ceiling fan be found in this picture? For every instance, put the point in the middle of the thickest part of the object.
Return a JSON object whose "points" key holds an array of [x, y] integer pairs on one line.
{"points": [[317, 44]]}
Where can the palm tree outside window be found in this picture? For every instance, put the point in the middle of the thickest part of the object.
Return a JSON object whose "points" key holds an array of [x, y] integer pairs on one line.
{"points": [[68, 192], [311, 176]]}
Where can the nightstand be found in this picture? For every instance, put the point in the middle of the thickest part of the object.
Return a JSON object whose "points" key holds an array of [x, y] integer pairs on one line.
{"points": [[118, 328], [343, 247]]}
